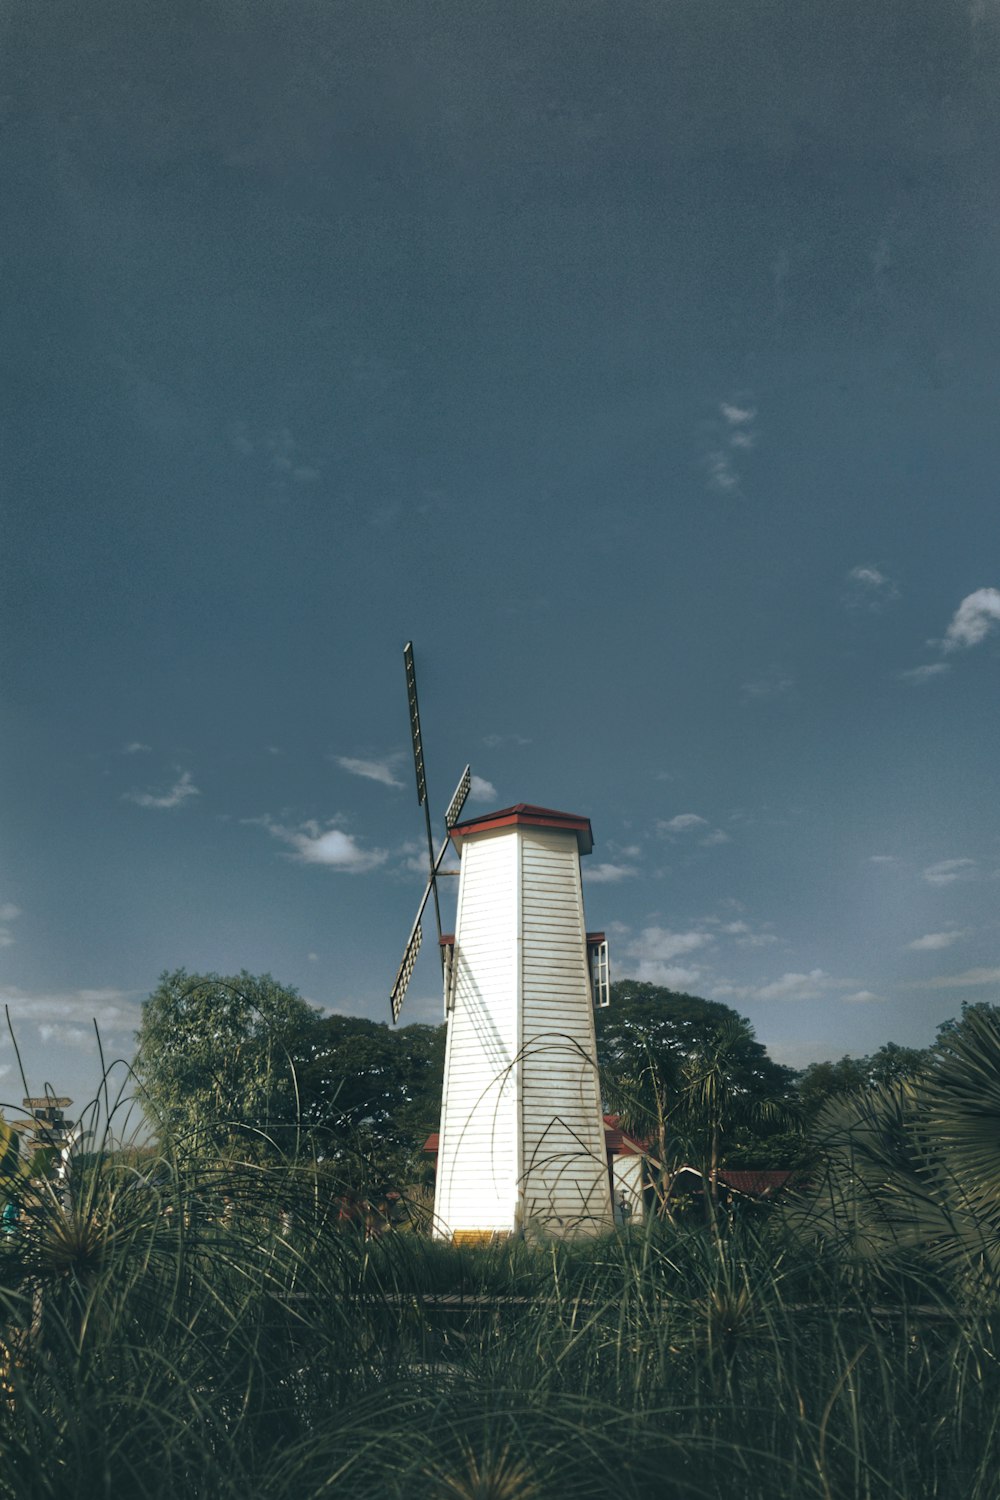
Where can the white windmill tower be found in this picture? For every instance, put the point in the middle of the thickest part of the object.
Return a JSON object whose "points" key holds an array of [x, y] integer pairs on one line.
{"points": [[521, 1143]]}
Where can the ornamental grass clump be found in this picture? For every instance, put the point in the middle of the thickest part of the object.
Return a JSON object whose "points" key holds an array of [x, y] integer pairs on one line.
{"points": [[251, 1327]]}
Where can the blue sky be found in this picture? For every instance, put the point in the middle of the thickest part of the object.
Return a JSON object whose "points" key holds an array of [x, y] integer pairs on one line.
{"points": [[639, 361]]}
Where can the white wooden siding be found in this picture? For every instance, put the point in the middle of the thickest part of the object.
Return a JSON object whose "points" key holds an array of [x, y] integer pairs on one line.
{"points": [[565, 1178], [628, 1175], [477, 1154], [522, 1137]]}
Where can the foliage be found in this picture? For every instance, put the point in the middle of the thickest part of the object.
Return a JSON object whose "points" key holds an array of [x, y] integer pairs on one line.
{"points": [[821, 1081], [243, 1063], [912, 1166], [221, 1332], [218, 1058], [688, 1074]]}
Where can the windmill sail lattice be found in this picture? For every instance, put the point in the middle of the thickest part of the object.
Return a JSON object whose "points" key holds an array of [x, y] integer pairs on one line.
{"points": [[451, 817]]}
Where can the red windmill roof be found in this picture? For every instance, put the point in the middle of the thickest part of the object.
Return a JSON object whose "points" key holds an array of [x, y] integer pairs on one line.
{"points": [[525, 814]]}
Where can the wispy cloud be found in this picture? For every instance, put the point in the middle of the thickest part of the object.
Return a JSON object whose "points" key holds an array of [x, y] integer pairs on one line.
{"points": [[928, 673], [682, 823], [182, 791], [713, 839], [773, 683], [977, 616], [661, 944], [136, 747], [867, 587], [8, 913], [313, 844], [607, 874], [68, 1016], [731, 433], [883, 859], [499, 741], [482, 790], [279, 454], [863, 997], [797, 986], [969, 979], [933, 942], [949, 871], [791, 986], [68, 1036], [382, 771]]}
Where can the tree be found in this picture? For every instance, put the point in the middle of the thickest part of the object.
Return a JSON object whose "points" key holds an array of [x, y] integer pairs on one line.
{"points": [[715, 1098], [373, 1088], [822, 1081], [664, 1054], [219, 1057]]}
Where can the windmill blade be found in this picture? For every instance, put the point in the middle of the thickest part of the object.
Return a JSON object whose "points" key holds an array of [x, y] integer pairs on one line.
{"points": [[418, 765], [418, 744], [416, 937], [457, 802], [398, 990]]}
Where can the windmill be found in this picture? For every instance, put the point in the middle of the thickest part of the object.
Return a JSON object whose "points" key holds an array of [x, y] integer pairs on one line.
{"points": [[521, 1144]]}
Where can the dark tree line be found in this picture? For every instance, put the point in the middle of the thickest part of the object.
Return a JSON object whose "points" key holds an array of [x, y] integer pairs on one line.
{"points": [[243, 1062]]}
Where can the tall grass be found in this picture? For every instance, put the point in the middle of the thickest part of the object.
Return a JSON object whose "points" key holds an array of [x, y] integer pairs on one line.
{"points": [[222, 1331]]}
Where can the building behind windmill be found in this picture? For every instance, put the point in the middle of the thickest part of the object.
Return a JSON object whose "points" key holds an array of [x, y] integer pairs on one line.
{"points": [[521, 1144]]}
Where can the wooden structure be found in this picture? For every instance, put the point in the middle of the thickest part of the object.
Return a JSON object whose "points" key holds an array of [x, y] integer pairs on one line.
{"points": [[521, 1143], [45, 1123]]}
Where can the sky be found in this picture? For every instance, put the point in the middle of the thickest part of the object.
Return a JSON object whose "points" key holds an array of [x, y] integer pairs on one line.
{"points": [[637, 360]]}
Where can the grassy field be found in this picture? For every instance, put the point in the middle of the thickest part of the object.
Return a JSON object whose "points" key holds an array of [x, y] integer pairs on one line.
{"points": [[225, 1333]]}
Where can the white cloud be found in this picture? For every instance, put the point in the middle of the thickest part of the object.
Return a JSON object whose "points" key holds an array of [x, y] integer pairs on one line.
{"points": [[929, 673], [932, 942], [658, 944], [948, 871], [652, 952], [868, 588], [728, 437], [382, 771], [313, 958], [682, 823], [771, 684], [607, 874], [717, 836], [863, 997], [112, 1009], [976, 616], [883, 859], [969, 979], [737, 416], [672, 976], [9, 912], [331, 847], [482, 790], [796, 986], [182, 789], [722, 475], [496, 741], [136, 747], [68, 1036]]}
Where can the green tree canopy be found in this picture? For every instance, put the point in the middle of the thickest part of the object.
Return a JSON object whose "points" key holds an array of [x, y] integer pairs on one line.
{"points": [[822, 1081], [379, 1086], [242, 1058], [662, 1051], [219, 1057]]}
